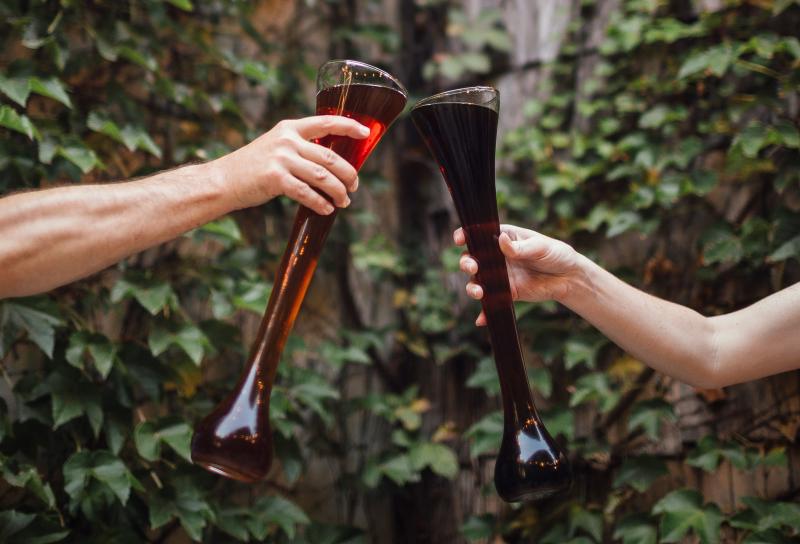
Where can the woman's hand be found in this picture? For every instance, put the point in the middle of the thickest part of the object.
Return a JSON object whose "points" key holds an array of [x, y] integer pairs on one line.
{"points": [[285, 162], [539, 268]]}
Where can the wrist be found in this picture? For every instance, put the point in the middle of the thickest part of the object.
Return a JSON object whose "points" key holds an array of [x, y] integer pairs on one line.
{"points": [[580, 283], [214, 174]]}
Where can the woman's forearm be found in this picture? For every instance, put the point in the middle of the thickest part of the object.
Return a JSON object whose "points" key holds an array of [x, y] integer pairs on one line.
{"points": [[757, 341], [58, 235], [669, 337], [760, 340]]}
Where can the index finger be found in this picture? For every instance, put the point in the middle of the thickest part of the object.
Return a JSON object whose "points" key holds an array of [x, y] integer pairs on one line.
{"points": [[323, 125]]}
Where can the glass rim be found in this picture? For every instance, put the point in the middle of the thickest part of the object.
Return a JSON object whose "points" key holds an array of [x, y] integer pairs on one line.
{"points": [[350, 62], [438, 97]]}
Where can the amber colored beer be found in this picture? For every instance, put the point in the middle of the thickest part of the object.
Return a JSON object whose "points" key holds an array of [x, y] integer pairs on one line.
{"points": [[235, 440]]}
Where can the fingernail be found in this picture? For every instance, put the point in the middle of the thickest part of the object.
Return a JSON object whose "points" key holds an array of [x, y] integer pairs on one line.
{"points": [[328, 209], [346, 202], [473, 291], [364, 131], [355, 185]]}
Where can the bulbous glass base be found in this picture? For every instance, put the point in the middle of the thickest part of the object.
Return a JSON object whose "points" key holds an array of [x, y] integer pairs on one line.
{"points": [[530, 464]]}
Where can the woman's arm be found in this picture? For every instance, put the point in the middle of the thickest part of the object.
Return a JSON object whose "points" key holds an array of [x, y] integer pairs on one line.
{"points": [[55, 236], [758, 341]]}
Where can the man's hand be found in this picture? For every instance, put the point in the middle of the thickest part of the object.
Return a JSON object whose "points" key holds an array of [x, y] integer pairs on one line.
{"points": [[539, 267], [285, 162]]}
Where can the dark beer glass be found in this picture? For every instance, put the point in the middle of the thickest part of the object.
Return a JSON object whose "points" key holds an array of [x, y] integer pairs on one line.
{"points": [[235, 440], [460, 128]]}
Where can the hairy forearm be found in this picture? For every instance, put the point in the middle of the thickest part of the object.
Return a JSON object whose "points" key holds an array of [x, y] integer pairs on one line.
{"points": [[670, 338], [51, 237]]}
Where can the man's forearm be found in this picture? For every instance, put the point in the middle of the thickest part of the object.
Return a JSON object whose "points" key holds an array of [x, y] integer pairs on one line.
{"points": [[51, 237], [671, 338]]}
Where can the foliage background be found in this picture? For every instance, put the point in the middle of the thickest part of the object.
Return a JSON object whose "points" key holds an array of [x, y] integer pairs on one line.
{"points": [[658, 137]]}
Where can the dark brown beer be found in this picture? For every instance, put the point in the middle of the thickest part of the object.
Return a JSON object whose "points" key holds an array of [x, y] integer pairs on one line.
{"points": [[461, 136], [235, 440]]}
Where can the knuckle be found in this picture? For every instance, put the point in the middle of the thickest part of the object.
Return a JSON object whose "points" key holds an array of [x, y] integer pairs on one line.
{"points": [[285, 140], [328, 122], [275, 173], [320, 173], [329, 156], [297, 190]]}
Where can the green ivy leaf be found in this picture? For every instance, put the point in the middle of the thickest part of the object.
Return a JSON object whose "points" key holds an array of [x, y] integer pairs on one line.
{"points": [[153, 295], [186, 502], [33, 316], [716, 60], [640, 472], [95, 478], [438, 457], [185, 5], [478, 527], [786, 133], [253, 296], [149, 435], [10, 119], [485, 377], [79, 155], [101, 350], [560, 421], [485, 434], [132, 137], [761, 515], [710, 452], [400, 470], [581, 519], [649, 414], [233, 522], [770, 536], [636, 529], [51, 88], [28, 478], [71, 398], [20, 528], [752, 139], [141, 58], [594, 387], [17, 89], [225, 227], [682, 511], [541, 380], [582, 350], [188, 337], [720, 245], [314, 394], [269, 512], [787, 250]]}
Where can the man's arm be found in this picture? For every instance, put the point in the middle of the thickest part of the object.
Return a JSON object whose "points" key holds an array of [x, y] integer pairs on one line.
{"points": [[757, 341], [55, 236]]}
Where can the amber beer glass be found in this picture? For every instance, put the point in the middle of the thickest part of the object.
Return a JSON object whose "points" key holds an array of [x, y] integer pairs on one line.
{"points": [[235, 440], [460, 128]]}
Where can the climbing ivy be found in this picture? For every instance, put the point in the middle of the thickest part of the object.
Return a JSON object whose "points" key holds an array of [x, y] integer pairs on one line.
{"points": [[105, 378]]}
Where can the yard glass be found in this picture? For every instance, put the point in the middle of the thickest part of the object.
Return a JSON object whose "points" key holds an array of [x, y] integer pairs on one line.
{"points": [[235, 440], [460, 128]]}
